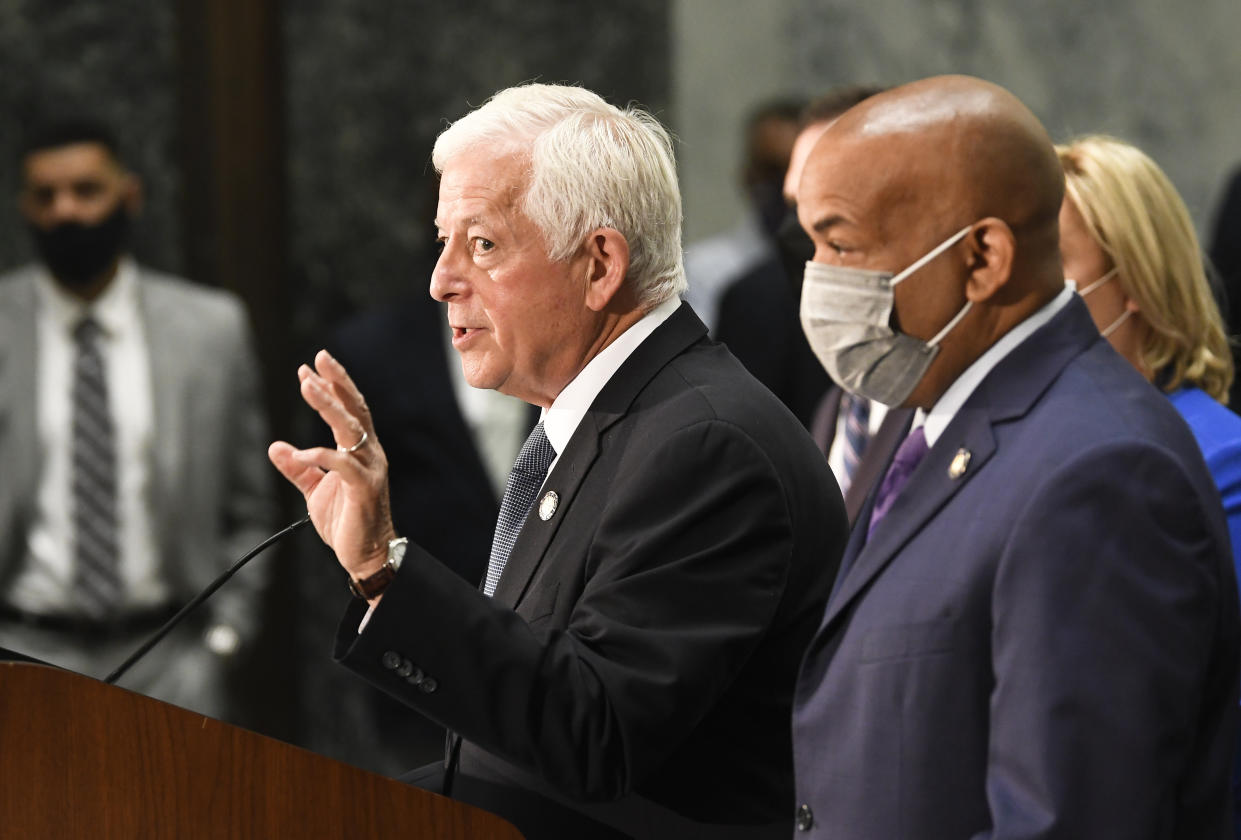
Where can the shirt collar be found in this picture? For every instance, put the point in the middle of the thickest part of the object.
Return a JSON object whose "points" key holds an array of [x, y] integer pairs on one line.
{"points": [[958, 392], [570, 406], [112, 310]]}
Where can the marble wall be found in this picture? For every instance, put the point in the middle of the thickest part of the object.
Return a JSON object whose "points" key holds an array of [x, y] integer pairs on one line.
{"points": [[1165, 79], [115, 61], [369, 86]]}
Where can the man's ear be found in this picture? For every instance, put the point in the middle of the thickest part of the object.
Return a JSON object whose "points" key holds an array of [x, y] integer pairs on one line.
{"points": [[607, 252], [992, 246]]}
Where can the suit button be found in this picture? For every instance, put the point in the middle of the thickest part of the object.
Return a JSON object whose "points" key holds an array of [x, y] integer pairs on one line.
{"points": [[391, 660], [428, 685], [405, 668], [416, 677], [805, 818]]}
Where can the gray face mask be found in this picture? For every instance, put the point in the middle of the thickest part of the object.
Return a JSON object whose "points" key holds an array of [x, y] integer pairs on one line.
{"points": [[846, 314]]}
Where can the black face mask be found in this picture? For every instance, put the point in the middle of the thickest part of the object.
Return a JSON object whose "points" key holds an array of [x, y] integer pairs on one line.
{"points": [[795, 249], [767, 198], [78, 254]]}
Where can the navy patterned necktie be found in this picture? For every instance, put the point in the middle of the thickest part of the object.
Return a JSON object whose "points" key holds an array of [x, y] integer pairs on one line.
{"points": [[524, 482], [96, 587], [911, 452], [857, 435]]}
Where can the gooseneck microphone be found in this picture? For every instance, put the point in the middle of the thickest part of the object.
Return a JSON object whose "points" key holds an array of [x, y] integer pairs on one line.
{"points": [[199, 598]]}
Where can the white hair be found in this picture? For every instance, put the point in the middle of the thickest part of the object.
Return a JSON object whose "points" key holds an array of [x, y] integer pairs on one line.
{"points": [[592, 165]]}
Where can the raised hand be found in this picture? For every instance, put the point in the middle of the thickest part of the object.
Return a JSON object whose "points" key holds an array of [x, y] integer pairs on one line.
{"points": [[346, 488]]}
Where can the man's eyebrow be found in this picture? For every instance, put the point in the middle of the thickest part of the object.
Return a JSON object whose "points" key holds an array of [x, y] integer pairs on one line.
{"points": [[473, 220], [827, 222]]}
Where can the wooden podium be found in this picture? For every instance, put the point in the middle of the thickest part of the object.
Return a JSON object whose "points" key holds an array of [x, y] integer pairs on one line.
{"points": [[79, 758]]}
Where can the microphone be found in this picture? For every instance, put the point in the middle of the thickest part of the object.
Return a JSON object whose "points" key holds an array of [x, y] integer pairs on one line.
{"points": [[198, 599]]}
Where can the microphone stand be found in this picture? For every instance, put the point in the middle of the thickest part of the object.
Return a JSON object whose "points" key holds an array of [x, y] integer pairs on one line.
{"points": [[198, 599]]}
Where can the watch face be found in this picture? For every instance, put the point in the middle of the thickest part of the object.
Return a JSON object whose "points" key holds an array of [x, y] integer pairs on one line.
{"points": [[370, 587], [396, 551]]}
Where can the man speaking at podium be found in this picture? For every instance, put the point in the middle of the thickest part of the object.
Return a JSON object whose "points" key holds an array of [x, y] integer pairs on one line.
{"points": [[627, 667]]}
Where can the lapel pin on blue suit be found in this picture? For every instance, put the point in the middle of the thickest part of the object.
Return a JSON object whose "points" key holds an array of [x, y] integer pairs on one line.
{"points": [[547, 505], [960, 463]]}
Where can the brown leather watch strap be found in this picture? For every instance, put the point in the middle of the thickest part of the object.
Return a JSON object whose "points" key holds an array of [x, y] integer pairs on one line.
{"points": [[370, 587]]}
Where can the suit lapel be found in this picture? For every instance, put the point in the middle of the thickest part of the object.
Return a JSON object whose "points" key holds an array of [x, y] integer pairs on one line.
{"points": [[823, 426], [164, 328], [18, 390], [671, 338], [536, 534], [929, 489], [1005, 394]]}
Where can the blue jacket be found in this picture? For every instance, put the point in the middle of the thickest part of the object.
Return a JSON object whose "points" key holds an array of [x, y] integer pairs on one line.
{"points": [[1043, 646]]}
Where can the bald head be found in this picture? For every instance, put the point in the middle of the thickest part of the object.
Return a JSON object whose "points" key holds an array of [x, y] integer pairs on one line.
{"points": [[906, 169], [967, 148]]}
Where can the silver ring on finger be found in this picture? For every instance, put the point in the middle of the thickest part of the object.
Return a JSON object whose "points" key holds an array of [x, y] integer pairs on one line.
{"points": [[361, 442]]}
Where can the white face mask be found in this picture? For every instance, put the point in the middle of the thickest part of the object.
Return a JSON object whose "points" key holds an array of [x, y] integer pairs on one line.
{"points": [[846, 314], [1124, 316]]}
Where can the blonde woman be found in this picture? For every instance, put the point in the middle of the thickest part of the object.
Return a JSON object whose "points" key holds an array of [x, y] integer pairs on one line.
{"points": [[1127, 241]]}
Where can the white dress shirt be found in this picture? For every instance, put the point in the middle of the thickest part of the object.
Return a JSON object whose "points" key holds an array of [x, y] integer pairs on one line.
{"points": [[570, 406], [958, 392], [44, 583]]}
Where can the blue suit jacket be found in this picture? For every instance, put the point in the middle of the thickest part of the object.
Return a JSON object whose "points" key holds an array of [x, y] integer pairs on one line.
{"points": [[1044, 646]]}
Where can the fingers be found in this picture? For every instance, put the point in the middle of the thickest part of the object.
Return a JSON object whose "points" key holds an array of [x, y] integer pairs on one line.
{"points": [[323, 397], [305, 477], [344, 388], [350, 468]]}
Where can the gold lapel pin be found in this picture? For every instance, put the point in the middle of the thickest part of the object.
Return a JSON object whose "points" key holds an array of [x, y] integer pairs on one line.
{"points": [[547, 505], [960, 462]]}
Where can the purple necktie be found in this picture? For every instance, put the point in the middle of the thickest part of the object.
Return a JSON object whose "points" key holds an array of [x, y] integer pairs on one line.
{"points": [[910, 454]]}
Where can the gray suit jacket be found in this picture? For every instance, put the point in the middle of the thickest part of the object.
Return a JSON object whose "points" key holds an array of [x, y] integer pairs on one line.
{"points": [[212, 487]]}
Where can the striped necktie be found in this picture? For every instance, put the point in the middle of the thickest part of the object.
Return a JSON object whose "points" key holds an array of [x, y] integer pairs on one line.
{"points": [[96, 587], [857, 435], [524, 482]]}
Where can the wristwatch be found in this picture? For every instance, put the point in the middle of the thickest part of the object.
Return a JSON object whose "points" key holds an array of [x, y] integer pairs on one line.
{"points": [[370, 587]]}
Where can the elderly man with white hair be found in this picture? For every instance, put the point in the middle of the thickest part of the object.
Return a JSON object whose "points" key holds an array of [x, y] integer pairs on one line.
{"points": [[669, 532]]}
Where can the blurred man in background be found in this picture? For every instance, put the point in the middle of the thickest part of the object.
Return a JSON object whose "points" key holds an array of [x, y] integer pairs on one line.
{"points": [[712, 264], [131, 433]]}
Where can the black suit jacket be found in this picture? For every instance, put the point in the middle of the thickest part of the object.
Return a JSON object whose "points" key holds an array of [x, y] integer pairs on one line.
{"points": [[642, 644], [759, 322]]}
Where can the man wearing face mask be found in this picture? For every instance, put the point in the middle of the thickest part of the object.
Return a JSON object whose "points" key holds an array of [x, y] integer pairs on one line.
{"points": [[758, 310], [1034, 632], [131, 438], [713, 264], [759, 323]]}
